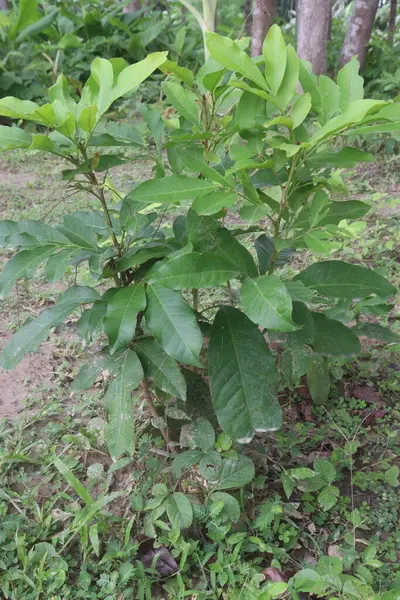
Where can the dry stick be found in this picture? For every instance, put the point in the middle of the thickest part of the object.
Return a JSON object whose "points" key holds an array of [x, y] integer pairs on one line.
{"points": [[153, 410]]}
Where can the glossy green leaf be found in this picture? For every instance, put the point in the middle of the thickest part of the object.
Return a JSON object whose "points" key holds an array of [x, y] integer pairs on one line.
{"points": [[300, 109], [173, 324], [195, 270], [133, 75], [171, 189], [214, 202], [318, 379], [351, 84], [182, 73], [290, 78], [274, 51], [118, 403], [243, 376], [14, 137], [337, 279], [235, 473], [332, 338], [183, 100], [121, 318], [161, 368], [179, 510], [230, 56], [22, 265], [267, 302], [29, 337]]}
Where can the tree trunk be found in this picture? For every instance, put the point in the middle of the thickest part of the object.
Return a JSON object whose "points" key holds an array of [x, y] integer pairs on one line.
{"points": [[359, 31], [264, 15], [3, 4], [131, 7], [392, 21], [247, 18], [313, 21]]}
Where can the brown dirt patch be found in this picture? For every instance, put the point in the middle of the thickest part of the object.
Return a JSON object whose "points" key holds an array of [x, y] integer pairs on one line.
{"points": [[34, 371]]}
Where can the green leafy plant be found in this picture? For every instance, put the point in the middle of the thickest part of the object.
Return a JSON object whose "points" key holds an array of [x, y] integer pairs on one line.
{"points": [[243, 138]]}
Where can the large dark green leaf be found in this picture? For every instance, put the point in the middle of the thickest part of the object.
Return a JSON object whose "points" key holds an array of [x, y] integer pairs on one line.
{"points": [[318, 380], [29, 337], [195, 270], [376, 332], [332, 338], [118, 402], [268, 303], [173, 324], [122, 311], [171, 189], [243, 376], [337, 279], [161, 368]]}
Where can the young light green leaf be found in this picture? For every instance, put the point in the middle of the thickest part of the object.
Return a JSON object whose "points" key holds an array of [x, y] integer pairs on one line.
{"points": [[300, 109], [274, 51], [171, 189], [337, 279], [119, 404], [290, 78], [229, 55], [267, 302], [73, 481], [351, 84], [243, 377], [173, 324], [122, 310], [183, 100], [14, 137], [133, 75], [161, 368], [195, 270]]}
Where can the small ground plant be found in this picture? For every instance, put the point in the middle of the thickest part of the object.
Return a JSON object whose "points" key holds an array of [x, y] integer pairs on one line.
{"points": [[191, 299]]}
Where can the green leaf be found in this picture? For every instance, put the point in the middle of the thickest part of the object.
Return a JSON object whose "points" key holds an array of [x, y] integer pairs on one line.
{"points": [[351, 84], [346, 157], [267, 302], [131, 77], [57, 265], [195, 270], [27, 13], [214, 202], [171, 189], [231, 508], [122, 310], [298, 291], [210, 465], [301, 473], [22, 265], [392, 476], [184, 74], [229, 55], [201, 434], [332, 338], [376, 332], [328, 497], [29, 337], [185, 460], [306, 580], [337, 279], [183, 100], [78, 233], [14, 137], [309, 84], [326, 469], [290, 78], [274, 51], [179, 510], [300, 109], [235, 473], [318, 379], [198, 165], [73, 482], [173, 324], [243, 377], [161, 368], [38, 26], [118, 402]]}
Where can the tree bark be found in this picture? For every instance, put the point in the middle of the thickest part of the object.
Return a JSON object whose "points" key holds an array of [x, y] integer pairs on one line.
{"points": [[132, 6], [247, 18], [359, 31], [392, 21], [264, 15], [3, 4], [313, 21]]}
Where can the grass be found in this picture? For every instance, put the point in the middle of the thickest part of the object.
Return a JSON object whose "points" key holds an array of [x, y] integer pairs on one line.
{"points": [[73, 523]]}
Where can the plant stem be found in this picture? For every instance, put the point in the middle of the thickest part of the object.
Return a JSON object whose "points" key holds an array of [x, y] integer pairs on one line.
{"points": [[195, 294], [281, 210], [153, 410]]}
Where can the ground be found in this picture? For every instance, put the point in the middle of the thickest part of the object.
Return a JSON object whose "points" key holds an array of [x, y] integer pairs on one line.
{"points": [[359, 432]]}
